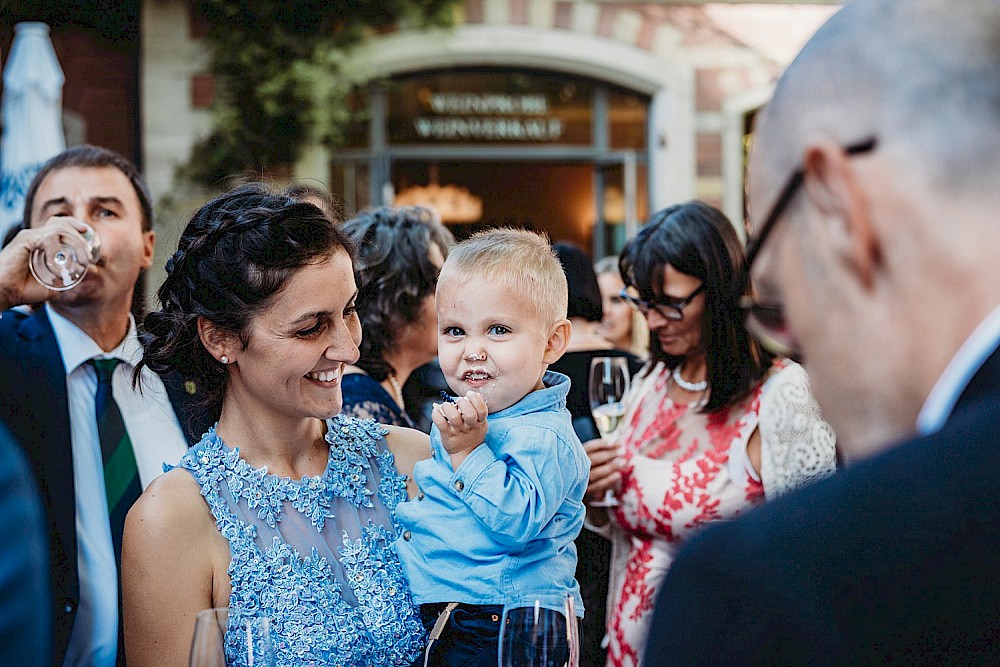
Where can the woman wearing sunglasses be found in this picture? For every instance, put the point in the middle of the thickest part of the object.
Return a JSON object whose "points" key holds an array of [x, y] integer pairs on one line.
{"points": [[714, 424]]}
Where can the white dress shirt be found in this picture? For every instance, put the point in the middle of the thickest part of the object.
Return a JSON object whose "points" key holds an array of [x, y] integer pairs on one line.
{"points": [[958, 373], [156, 438]]}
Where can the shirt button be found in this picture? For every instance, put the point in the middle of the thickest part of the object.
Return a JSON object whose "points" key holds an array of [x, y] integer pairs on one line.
{"points": [[420, 496], [407, 535], [459, 485]]}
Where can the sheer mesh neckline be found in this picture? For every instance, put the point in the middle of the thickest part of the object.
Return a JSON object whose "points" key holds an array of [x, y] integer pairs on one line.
{"points": [[344, 476]]}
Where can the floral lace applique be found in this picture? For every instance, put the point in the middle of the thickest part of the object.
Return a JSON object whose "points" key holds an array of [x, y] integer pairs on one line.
{"points": [[314, 620]]}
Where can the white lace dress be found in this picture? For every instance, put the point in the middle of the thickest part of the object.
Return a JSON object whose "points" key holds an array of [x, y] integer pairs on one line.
{"points": [[686, 468]]}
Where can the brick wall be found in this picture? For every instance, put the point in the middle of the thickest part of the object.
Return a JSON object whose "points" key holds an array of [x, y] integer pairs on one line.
{"points": [[101, 84]]}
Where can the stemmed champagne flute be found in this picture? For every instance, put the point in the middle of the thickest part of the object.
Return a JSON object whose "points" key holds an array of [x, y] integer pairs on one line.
{"points": [[535, 635], [61, 265], [231, 638], [609, 382]]}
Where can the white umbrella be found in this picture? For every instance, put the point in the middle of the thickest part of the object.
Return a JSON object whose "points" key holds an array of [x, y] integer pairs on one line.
{"points": [[32, 116]]}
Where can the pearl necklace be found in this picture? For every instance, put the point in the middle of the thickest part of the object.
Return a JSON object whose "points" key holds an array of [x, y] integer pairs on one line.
{"points": [[397, 391], [684, 384]]}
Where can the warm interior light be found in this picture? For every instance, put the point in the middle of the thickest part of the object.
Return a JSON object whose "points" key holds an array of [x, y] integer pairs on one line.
{"points": [[453, 203], [614, 205]]}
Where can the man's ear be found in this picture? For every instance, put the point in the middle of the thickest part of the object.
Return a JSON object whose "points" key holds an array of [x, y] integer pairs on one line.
{"points": [[148, 243], [219, 343], [833, 187], [559, 337]]}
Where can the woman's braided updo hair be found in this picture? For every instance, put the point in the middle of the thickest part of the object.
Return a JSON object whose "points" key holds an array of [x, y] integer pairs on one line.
{"points": [[235, 254]]}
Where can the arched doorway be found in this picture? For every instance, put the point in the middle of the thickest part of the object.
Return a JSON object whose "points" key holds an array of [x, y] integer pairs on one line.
{"points": [[488, 146], [522, 119]]}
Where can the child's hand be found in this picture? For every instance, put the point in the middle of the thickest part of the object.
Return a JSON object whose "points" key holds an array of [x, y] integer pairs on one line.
{"points": [[462, 424]]}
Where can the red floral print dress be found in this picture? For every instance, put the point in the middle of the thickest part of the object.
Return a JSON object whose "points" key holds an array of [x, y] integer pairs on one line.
{"points": [[684, 469]]}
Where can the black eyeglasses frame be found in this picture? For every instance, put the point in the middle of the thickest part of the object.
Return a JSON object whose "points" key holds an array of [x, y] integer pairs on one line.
{"points": [[764, 317], [676, 312]]}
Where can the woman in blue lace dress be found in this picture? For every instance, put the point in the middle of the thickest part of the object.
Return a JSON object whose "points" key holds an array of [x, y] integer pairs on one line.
{"points": [[285, 508], [400, 253]]}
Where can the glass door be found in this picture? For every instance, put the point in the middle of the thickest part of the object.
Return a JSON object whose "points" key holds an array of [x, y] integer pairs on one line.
{"points": [[552, 197], [622, 199]]}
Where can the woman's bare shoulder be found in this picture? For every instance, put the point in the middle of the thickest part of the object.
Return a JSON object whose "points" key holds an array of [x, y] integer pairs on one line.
{"points": [[408, 446], [171, 502]]}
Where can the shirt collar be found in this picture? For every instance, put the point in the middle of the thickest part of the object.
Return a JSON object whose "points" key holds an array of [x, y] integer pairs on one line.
{"points": [[77, 348], [958, 373], [552, 395]]}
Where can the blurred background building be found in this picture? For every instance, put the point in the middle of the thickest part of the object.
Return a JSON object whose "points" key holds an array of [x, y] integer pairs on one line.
{"points": [[575, 117]]}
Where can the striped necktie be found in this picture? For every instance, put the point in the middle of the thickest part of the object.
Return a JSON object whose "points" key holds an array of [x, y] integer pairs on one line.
{"points": [[121, 476]]}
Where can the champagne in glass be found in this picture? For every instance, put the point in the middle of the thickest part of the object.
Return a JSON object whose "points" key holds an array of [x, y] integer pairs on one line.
{"points": [[61, 265], [609, 382], [607, 417], [535, 635]]}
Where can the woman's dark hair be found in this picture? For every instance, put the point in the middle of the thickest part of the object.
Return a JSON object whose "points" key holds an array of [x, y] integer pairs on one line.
{"points": [[395, 275], [311, 194], [584, 292], [700, 241], [235, 254]]}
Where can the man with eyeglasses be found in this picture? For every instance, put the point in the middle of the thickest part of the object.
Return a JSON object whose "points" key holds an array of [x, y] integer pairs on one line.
{"points": [[874, 197]]}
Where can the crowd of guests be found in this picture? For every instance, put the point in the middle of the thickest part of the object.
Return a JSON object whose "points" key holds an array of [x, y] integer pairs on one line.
{"points": [[248, 443]]}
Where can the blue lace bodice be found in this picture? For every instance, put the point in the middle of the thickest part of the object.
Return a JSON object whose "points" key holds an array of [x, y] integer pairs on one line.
{"points": [[315, 555]]}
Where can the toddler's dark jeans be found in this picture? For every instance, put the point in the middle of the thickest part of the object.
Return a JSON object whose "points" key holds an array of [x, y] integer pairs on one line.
{"points": [[471, 637]]}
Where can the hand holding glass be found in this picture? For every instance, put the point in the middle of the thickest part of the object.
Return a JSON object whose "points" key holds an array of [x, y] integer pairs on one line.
{"points": [[609, 382], [224, 638], [60, 263]]}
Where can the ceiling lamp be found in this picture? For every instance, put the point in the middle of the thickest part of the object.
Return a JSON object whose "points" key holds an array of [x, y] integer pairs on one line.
{"points": [[453, 203]]}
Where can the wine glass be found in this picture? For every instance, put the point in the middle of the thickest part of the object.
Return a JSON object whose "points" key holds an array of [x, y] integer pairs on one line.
{"points": [[609, 381], [60, 265], [537, 635], [225, 637]]}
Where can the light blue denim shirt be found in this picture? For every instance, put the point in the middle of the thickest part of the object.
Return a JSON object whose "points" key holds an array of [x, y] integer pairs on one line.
{"points": [[500, 529]]}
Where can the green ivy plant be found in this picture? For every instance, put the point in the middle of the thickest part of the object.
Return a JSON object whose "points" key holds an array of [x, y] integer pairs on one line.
{"points": [[280, 79]]}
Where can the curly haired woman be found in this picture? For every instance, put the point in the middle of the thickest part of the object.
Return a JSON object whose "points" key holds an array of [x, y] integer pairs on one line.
{"points": [[400, 253]]}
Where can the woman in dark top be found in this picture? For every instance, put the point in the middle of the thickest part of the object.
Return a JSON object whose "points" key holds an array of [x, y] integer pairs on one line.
{"points": [[576, 365], [593, 551], [400, 253]]}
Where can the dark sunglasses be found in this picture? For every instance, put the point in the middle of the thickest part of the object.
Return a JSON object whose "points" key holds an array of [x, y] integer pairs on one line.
{"points": [[766, 321], [672, 310]]}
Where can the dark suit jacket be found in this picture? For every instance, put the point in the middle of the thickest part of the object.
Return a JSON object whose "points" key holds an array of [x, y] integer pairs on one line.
{"points": [[35, 406], [25, 614], [895, 560]]}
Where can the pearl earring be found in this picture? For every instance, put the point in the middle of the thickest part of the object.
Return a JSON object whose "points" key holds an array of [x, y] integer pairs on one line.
{"points": [[224, 359]]}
